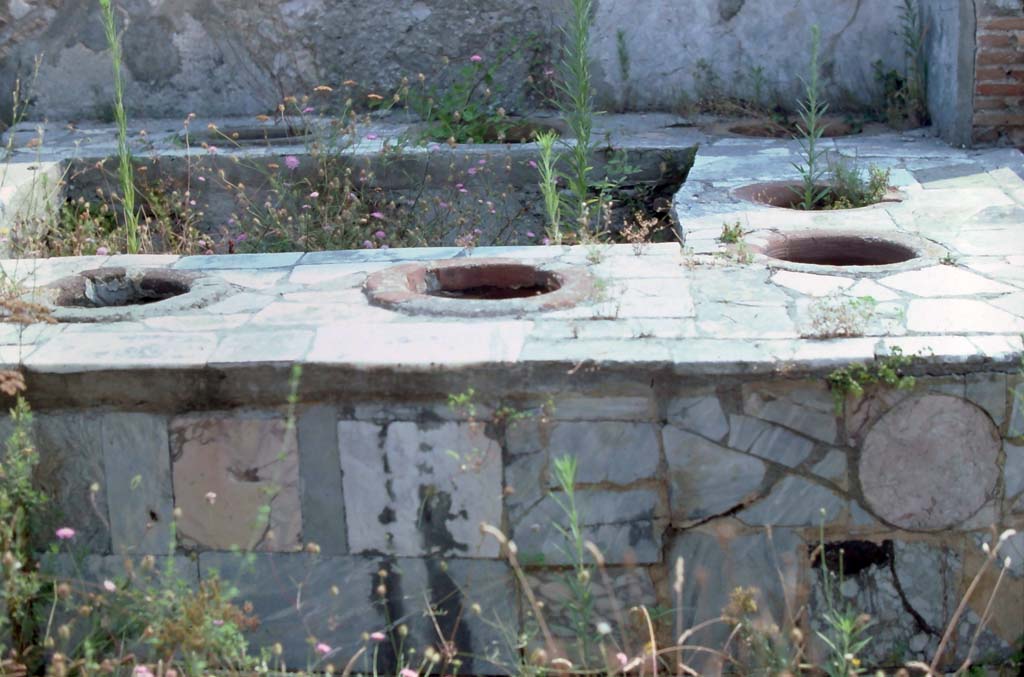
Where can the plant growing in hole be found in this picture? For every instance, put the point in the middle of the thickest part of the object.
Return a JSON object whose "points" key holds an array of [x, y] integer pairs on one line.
{"points": [[812, 110], [849, 188], [851, 381], [732, 233], [835, 315], [845, 626], [124, 155]]}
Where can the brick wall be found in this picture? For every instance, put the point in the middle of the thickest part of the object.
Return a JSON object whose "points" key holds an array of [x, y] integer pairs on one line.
{"points": [[999, 73]]}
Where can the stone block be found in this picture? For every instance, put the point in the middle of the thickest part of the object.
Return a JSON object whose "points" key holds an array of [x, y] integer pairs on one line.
{"points": [[613, 591], [706, 479], [701, 414], [302, 600], [989, 391], [236, 481], [795, 502], [720, 557], [137, 458], [625, 524], [805, 407], [608, 451], [767, 441], [71, 461], [323, 508], [413, 489]]}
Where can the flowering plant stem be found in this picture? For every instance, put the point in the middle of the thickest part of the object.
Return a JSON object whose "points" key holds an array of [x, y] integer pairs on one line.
{"points": [[812, 110], [549, 185], [125, 172], [577, 106]]}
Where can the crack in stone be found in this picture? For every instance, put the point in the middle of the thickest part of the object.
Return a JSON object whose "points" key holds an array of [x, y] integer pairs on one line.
{"points": [[918, 618]]}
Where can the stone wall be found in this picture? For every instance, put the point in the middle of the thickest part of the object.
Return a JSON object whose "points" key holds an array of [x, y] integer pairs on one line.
{"points": [[999, 73], [220, 58], [381, 503]]}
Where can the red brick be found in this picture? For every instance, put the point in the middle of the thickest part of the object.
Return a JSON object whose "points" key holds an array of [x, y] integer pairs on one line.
{"points": [[994, 103], [999, 118], [997, 40], [998, 57], [992, 89], [1000, 74], [1008, 23]]}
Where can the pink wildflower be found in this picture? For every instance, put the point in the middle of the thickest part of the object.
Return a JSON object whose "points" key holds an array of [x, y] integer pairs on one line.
{"points": [[217, 623], [377, 215], [142, 671], [372, 137], [530, 233], [380, 235], [622, 658], [471, 171], [323, 649], [378, 636], [65, 533], [545, 242], [242, 237], [109, 586], [202, 179], [532, 164], [308, 109], [314, 195], [212, 150], [102, 251], [291, 162], [476, 58], [481, 162], [408, 672], [367, 244]]}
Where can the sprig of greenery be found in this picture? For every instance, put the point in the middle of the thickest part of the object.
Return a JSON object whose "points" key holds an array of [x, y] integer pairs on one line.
{"points": [[125, 169], [812, 110], [851, 380], [549, 185], [576, 103]]}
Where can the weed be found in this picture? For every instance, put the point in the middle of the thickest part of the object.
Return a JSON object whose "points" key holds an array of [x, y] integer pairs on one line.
{"points": [[732, 233], [638, 232], [576, 103], [125, 170], [549, 185], [466, 111], [622, 52], [845, 627], [835, 315], [887, 371], [812, 110]]}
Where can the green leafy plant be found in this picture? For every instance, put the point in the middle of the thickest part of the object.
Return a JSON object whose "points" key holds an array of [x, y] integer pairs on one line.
{"points": [[580, 606], [20, 504], [845, 627], [576, 103], [466, 111], [905, 95], [887, 371], [849, 188], [812, 110], [549, 185], [731, 233], [125, 167]]}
